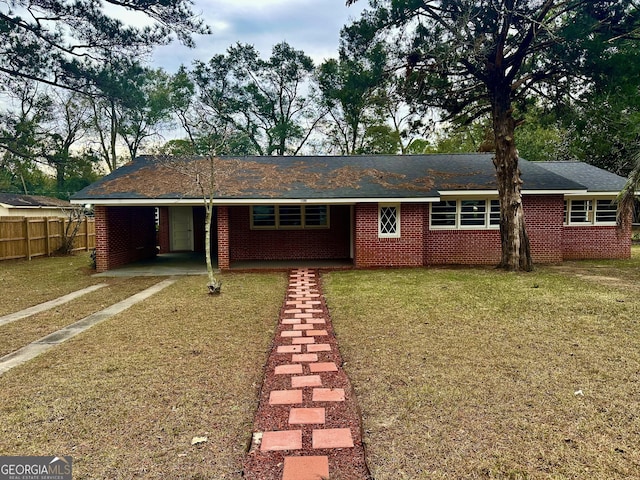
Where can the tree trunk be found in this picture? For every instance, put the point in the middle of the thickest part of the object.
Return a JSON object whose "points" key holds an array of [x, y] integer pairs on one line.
{"points": [[516, 252], [214, 284], [60, 174], [113, 137]]}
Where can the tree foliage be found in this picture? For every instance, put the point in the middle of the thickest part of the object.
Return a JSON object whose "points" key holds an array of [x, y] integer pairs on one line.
{"points": [[348, 87], [81, 46], [64, 43], [605, 118], [484, 57], [263, 100], [149, 109], [38, 128]]}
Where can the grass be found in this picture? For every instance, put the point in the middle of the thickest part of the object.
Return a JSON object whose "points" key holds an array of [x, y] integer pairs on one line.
{"points": [[21, 332], [27, 283], [126, 397], [460, 373], [476, 373]]}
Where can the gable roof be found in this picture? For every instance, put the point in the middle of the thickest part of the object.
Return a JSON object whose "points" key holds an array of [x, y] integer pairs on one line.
{"points": [[31, 201], [327, 179], [593, 178]]}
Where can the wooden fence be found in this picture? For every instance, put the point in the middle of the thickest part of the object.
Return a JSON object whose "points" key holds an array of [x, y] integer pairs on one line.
{"points": [[28, 237]]}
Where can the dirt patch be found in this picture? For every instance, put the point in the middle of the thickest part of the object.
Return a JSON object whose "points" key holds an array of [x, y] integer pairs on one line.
{"points": [[596, 276]]}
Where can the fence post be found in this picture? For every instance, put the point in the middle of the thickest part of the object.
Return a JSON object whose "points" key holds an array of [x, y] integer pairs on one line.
{"points": [[64, 232], [27, 236], [46, 236], [86, 231]]}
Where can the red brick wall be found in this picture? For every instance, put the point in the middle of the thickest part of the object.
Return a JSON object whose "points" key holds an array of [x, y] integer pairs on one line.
{"points": [[102, 247], [164, 241], [543, 216], [223, 237], [406, 251], [308, 244], [461, 247], [596, 242], [124, 235]]}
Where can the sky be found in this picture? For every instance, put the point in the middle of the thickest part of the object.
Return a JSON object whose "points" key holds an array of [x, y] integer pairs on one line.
{"points": [[312, 26]]}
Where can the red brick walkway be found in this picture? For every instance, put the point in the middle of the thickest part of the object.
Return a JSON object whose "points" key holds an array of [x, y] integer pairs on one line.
{"points": [[307, 426]]}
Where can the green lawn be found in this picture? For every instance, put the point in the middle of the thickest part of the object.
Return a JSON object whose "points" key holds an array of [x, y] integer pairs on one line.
{"points": [[476, 373]]}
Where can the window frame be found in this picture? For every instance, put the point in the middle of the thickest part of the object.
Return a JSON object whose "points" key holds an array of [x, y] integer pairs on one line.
{"points": [[597, 211], [398, 217], [491, 214], [591, 212], [278, 225]]}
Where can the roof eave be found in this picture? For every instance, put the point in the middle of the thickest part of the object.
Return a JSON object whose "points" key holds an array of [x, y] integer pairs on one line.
{"points": [[476, 193], [158, 202], [33, 207], [591, 193], [568, 192]]}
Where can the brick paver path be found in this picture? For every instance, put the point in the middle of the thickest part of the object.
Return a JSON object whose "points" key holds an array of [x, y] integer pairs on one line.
{"points": [[307, 425]]}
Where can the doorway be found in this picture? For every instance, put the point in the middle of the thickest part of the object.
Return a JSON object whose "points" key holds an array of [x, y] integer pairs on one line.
{"points": [[181, 228]]}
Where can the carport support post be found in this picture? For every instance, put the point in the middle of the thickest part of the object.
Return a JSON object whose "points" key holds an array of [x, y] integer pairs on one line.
{"points": [[223, 238]]}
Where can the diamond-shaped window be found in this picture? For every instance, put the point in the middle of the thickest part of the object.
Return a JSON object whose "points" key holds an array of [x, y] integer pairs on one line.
{"points": [[388, 221]]}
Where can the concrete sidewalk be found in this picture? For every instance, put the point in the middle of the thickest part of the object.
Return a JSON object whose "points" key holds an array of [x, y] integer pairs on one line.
{"points": [[42, 307], [34, 349]]}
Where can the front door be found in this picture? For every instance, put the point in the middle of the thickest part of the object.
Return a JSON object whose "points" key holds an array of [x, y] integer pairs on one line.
{"points": [[181, 227]]}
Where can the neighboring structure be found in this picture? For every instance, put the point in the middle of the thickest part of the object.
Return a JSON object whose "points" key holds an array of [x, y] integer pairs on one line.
{"points": [[33, 226], [14, 205], [377, 211]]}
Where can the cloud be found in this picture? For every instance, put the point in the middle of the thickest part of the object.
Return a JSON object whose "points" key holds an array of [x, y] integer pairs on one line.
{"points": [[309, 25]]}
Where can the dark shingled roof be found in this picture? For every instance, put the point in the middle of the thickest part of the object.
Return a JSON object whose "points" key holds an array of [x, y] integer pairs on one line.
{"points": [[594, 178], [314, 177], [17, 200]]}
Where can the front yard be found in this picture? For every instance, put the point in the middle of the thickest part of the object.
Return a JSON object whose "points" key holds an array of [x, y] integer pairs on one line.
{"points": [[125, 398], [460, 373], [474, 373]]}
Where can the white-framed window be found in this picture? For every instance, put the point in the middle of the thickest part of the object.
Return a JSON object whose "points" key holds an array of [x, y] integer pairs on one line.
{"points": [[606, 211], [590, 211], [289, 217], [581, 211], [444, 214], [389, 220], [468, 213]]}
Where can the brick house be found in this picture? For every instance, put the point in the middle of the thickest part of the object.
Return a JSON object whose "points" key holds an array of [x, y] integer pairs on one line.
{"points": [[374, 211]]}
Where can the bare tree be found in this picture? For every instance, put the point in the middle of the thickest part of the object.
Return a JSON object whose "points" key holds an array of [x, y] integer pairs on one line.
{"points": [[202, 171], [74, 217]]}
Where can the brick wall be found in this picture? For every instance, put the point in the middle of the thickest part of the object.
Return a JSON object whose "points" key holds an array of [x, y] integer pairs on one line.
{"points": [[102, 248], [124, 235], [596, 242], [543, 216], [372, 251], [461, 247], [164, 242], [223, 237], [307, 244]]}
